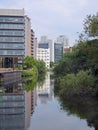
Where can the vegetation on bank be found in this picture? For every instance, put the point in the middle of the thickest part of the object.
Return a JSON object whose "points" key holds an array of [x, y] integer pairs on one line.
{"points": [[78, 70], [32, 65], [32, 70]]}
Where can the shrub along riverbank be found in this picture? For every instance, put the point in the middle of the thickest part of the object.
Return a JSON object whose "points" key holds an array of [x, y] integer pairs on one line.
{"points": [[32, 70], [77, 71]]}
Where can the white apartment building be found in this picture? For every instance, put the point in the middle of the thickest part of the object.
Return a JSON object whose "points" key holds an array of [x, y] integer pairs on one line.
{"points": [[44, 54], [47, 43]]}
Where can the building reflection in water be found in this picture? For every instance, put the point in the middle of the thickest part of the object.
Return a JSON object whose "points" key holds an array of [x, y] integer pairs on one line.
{"points": [[16, 107], [12, 107], [30, 103], [45, 91]]}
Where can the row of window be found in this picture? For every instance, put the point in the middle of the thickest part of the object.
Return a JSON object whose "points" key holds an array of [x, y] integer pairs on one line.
{"points": [[12, 98], [12, 111], [12, 19], [11, 39], [12, 33], [11, 118], [12, 104], [12, 46], [12, 52], [11, 26]]}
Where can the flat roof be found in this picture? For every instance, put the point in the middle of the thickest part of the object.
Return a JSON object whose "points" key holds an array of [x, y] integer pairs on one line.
{"points": [[12, 12]]}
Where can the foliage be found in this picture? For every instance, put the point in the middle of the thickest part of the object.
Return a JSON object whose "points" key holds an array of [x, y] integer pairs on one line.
{"points": [[71, 62], [81, 83], [41, 67], [91, 25], [30, 78], [41, 79], [33, 69], [30, 84], [29, 62], [83, 57], [31, 72], [82, 107], [20, 67]]}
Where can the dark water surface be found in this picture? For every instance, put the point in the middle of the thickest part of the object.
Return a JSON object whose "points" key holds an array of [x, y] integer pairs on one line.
{"points": [[41, 110]]}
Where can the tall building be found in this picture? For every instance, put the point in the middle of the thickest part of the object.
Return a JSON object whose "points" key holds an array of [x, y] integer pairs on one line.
{"points": [[44, 54], [32, 43], [16, 37], [35, 47], [12, 31], [51, 46], [58, 51], [44, 51], [27, 36], [63, 40], [61, 46], [43, 39], [48, 45]]}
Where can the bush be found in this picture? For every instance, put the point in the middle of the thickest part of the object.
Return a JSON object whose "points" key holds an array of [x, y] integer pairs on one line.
{"points": [[81, 83]]}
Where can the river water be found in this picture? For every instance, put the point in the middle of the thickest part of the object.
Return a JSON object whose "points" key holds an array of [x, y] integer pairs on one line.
{"points": [[41, 110]]}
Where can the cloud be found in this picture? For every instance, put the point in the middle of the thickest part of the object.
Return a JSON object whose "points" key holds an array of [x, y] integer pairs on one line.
{"points": [[54, 17]]}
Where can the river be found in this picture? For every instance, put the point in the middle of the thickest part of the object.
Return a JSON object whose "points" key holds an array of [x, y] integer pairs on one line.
{"points": [[40, 109]]}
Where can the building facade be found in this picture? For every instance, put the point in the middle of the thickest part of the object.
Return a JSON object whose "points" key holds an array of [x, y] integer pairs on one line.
{"points": [[16, 37], [27, 36], [58, 52], [63, 40], [47, 45], [44, 54], [12, 31], [51, 46], [35, 47]]}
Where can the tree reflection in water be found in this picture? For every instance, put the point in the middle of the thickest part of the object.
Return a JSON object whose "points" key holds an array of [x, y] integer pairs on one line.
{"points": [[83, 107]]}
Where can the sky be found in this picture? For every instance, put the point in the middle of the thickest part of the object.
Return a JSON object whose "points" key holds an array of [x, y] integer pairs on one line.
{"points": [[52, 18]]}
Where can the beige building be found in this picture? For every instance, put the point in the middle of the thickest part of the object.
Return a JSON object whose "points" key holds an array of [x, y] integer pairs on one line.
{"points": [[27, 36]]}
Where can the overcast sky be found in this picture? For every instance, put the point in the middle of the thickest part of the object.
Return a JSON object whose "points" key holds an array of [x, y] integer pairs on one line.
{"points": [[55, 17]]}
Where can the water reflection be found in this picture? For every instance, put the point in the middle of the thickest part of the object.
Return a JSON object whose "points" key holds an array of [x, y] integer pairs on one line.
{"points": [[44, 91], [82, 107], [39, 109], [12, 107], [16, 106]]}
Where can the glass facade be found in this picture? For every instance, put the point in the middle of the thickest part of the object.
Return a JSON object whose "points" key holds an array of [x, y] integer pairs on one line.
{"points": [[58, 52], [11, 46], [10, 19], [12, 30], [11, 52], [44, 45]]}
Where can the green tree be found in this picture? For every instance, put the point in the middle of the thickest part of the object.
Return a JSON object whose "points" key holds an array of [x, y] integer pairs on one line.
{"points": [[29, 62], [81, 83], [91, 25], [41, 67]]}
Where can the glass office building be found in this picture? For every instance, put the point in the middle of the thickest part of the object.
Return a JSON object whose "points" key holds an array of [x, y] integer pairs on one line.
{"points": [[58, 52], [12, 36]]}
